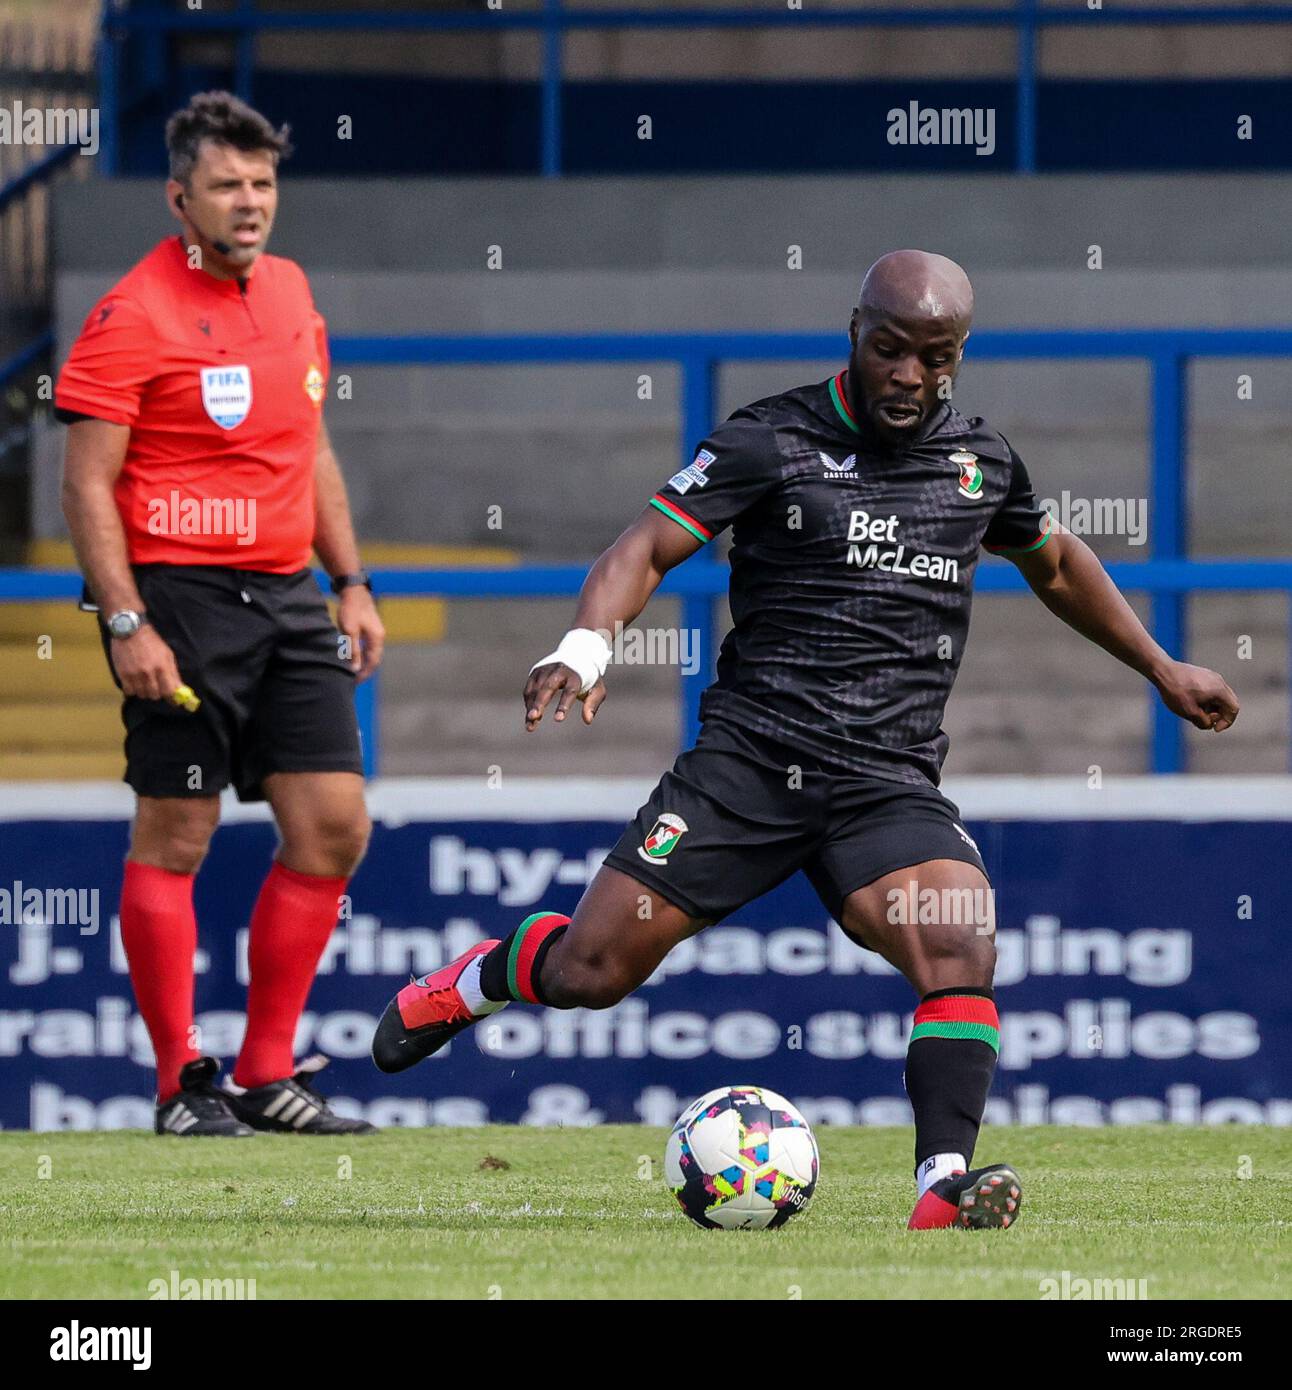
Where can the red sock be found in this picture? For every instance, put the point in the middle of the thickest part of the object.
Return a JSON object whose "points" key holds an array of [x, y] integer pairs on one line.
{"points": [[293, 918], [159, 933]]}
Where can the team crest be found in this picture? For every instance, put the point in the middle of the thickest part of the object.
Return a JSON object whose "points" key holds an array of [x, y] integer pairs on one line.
{"points": [[315, 387], [970, 484], [662, 840], [226, 394]]}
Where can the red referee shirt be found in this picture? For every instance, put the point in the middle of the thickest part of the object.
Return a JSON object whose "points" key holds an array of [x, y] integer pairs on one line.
{"points": [[222, 385]]}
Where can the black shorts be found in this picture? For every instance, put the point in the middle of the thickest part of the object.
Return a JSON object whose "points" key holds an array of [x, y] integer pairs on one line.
{"points": [[261, 652], [732, 820]]}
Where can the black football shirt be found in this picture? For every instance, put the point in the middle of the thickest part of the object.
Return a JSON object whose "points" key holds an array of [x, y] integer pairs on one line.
{"points": [[852, 567]]}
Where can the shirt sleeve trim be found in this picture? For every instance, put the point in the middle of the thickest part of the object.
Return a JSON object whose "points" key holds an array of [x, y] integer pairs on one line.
{"points": [[675, 513], [89, 410], [1046, 531]]}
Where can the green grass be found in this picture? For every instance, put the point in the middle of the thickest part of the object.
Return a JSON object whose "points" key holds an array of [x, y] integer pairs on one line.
{"points": [[570, 1217]]}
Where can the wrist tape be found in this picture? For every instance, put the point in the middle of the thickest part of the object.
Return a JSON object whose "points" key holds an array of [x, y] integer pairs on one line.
{"points": [[583, 651]]}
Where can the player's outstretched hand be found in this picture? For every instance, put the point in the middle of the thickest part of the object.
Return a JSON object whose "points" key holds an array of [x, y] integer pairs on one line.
{"points": [[1201, 696], [546, 681]]}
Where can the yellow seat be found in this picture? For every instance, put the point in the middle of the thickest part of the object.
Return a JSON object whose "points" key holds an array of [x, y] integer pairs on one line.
{"points": [[43, 725], [74, 766]]}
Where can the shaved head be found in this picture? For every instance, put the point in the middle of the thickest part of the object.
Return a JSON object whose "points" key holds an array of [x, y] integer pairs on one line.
{"points": [[917, 285], [907, 333]]}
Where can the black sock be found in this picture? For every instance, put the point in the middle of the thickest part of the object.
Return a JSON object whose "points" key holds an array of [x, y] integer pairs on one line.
{"points": [[950, 1062]]}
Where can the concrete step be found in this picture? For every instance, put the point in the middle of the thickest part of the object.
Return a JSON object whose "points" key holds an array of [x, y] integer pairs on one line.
{"points": [[88, 725], [56, 618], [72, 669], [60, 767]]}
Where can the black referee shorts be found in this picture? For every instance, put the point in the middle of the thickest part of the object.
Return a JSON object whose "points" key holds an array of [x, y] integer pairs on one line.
{"points": [[262, 654], [733, 819]]}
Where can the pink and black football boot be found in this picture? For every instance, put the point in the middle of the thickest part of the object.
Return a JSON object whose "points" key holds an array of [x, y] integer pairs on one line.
{"points": [[425, 1014], [979, 1200]]}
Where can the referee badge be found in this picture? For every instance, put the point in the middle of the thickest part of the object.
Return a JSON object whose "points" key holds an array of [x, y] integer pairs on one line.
{"points": [[662, 840], [315, 386], [226, 394]]}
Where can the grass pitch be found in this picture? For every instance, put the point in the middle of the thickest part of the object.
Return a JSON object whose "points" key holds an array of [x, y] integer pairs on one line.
{"points": [[508, 1212]]}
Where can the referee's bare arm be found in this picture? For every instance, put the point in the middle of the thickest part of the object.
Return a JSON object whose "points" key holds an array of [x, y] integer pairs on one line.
{"points": [[96, 450], [336, 547]]}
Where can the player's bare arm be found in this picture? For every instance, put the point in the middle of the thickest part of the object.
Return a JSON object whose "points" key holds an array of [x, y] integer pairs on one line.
{"points": [[616, 590], [1066, 576], [96, 450], [338, 550]]}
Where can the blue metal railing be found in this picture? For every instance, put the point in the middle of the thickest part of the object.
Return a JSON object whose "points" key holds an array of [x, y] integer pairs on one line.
{"points": [[37, 173], [25, 357], [552, 20], [1167, 577]]}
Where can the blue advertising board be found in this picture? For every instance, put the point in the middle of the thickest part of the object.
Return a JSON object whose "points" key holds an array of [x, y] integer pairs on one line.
{"points": [[1141, 977]]}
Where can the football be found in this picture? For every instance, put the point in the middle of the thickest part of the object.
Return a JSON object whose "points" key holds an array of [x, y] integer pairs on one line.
{"points": [[741, 1158]]}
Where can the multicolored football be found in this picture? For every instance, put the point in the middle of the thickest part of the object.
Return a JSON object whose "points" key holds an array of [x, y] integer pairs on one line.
{"points": [[741, 1159]]}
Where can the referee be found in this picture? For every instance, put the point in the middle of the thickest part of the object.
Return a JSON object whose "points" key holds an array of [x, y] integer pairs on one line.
{"points": [[198, 478]]}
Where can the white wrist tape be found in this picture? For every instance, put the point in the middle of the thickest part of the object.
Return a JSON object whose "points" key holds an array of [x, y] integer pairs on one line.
{"points": [[584, 651]]}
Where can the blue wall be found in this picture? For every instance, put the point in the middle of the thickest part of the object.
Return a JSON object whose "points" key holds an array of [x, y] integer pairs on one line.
{"points": [[424, 126]]}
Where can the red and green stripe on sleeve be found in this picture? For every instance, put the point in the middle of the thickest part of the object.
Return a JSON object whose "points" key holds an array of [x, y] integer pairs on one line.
{"points": [[1041, 539], [670, 509]]}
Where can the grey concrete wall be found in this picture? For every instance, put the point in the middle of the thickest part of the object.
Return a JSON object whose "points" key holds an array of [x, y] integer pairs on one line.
{"points": [[570, 453], [1148, 222], [703, 254]]}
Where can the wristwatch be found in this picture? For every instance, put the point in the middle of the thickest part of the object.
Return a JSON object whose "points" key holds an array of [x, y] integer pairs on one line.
{"points": [[347, 581], [125, 622]]}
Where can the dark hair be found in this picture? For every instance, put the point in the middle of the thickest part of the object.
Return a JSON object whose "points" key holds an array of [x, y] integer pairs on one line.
{"points": [[225, 119]]}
